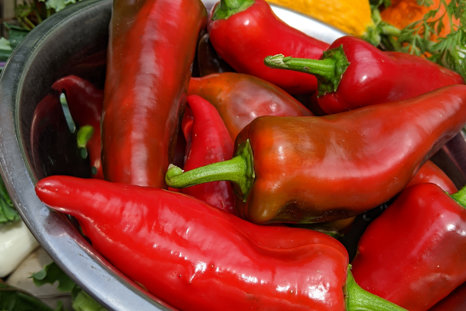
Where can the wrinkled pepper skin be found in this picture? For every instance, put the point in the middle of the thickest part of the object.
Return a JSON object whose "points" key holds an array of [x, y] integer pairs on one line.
{"points": [[431, 173], [85, 104], [240, 98], [345, 164], [374, 76], [196, 257], [208, 141], [424, 258], [320, 168], [151, 51], [245, 38]]}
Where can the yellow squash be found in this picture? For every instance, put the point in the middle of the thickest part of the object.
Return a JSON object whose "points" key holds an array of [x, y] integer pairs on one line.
{"points": [[352, 17]]}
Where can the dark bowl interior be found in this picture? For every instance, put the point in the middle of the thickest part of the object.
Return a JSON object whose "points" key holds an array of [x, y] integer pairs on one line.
{"points": [[74, 41]]}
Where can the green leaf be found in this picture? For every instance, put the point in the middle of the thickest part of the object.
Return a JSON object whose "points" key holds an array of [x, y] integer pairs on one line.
{"points": [[8, 212], [16, 34], [81, 300], [58, 5], [50, 274], [13, 299]]}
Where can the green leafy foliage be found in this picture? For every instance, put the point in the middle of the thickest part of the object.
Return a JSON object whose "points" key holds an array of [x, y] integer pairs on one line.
{"points": [[8, 212], [448, 51], [81, 301], [13, 299]]}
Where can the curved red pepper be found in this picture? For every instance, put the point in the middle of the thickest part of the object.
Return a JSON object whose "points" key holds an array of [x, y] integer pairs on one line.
{"points": [[414, 254], [455, 301], [240, 98], [244, 32], [431, 173], [85, 104], [151, 51], [315, 169], [208, 141], [353, 73], [196, 257]]}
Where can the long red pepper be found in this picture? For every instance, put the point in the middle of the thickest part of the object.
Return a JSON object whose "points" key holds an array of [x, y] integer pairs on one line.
{"points": [[431, 173], [315, 169], [244, 32], [151, 50], [353, 73], [414, 254], [455, 301], [240, 98], [208, 141], [85, 104], [196, 257]]}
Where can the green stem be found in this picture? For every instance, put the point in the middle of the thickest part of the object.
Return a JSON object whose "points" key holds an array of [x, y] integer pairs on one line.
{"points": [[460, 197], [227, 8], [328, 70], [358, 298], [239, 170]]}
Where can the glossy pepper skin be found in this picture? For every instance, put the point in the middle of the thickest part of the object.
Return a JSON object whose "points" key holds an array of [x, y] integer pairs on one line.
{"points": [[316, 169], [196, 257], [207, 141], [244, 32], [151, 50], [240, 98], [424, 259], [431, 173], [353, 73], [85, 104]]}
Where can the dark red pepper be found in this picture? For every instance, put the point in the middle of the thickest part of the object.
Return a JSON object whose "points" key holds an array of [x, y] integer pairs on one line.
{"points": [[240, 98], [455, 301], [196, 257], [353, 73], [208, 141], [151, 51], [319, 168], [431, 173], [414, 254], [244, 32], [85, 104]]}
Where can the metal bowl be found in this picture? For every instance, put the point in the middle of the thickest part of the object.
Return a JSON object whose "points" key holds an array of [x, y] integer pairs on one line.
{"points": [[74, 41]]}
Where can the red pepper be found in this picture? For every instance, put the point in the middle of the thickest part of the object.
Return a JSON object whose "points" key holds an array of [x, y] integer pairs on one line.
{"points": [[319, 168], [208, 141], [455, 301], [240, 98], [431, 173], [196, 257], [414, 254], [240, 32], [85, 104], [353, 73], [151, 51]]}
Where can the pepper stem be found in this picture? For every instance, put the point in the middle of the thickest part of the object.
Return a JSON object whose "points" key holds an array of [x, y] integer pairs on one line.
{"points": [[460, 197], [357, 298], [328, 70], [227, 8], [239, 170]]}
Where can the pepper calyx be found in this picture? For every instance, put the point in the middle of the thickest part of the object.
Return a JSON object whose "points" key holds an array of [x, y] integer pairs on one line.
{"points": [[239, 170], [460, 197], [328, 70], [357, 298], [227, 8]]}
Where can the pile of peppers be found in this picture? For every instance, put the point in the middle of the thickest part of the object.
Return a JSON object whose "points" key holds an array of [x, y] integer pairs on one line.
{"points": [[238, 186]]}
